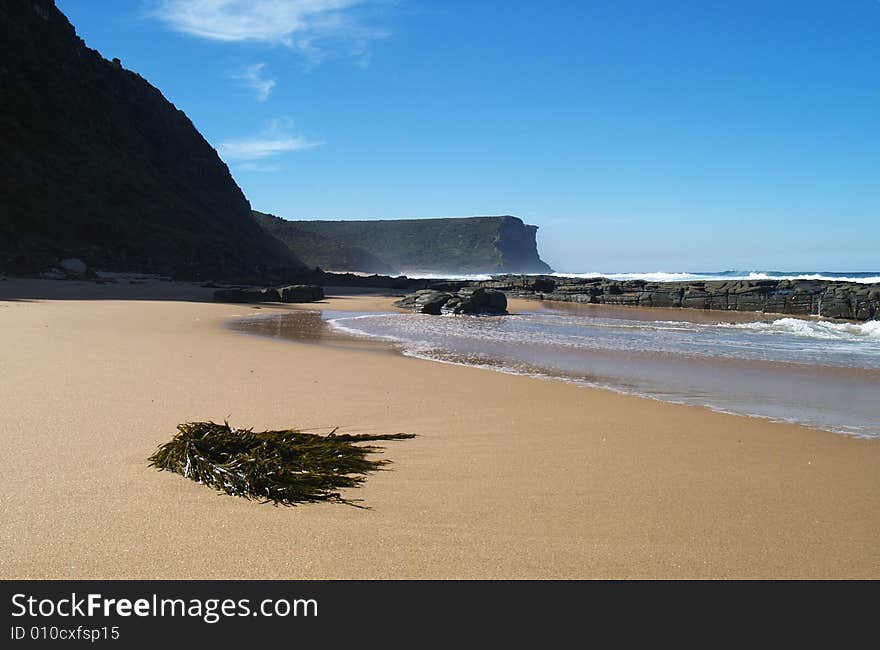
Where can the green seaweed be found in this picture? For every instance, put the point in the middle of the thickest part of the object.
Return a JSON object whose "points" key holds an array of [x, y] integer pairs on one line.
{"points": [[282, 467]]}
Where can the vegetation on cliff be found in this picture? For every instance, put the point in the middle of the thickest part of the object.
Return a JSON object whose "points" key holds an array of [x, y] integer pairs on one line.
{"points": [[317, 250]]}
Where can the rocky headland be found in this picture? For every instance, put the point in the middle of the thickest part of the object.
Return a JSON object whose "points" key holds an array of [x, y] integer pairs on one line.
{"points": [[436, 246]]}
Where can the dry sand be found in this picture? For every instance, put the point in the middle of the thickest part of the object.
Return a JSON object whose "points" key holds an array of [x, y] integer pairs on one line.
{"points": [[509, 477]]}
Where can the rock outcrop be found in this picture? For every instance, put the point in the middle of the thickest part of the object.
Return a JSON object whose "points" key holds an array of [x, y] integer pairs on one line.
{"points": [[292, 293], [467, 300], [436, 246], [97, 165], [798, 297]]}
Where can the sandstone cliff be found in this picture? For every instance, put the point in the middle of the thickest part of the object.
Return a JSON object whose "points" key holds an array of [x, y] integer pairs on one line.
{"points": [[451, 246], [318, 250], [96, 164]]}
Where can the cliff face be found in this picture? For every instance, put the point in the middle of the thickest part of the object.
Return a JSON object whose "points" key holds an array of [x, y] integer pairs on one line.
{"points": [[317, 250], [97, 164], [461, 245]]}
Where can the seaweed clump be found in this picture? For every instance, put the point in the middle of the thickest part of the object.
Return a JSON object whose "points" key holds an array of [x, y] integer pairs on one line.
{"points": [[282, 467]]}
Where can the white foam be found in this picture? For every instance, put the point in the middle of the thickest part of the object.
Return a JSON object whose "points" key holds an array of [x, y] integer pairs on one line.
{"points": [[664, 276], [816, 329], [873, 279], [469, 277], [656, 276], [433, 338], [660, 276]]}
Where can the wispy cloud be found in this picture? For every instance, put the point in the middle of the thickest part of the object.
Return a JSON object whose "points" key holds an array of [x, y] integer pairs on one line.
{"points": [[257, 148], [253, 77], [272, 141], [298, 24], [257, 167]]}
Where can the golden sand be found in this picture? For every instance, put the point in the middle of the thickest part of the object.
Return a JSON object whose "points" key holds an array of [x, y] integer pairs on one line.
{"points": [[509, 477]]}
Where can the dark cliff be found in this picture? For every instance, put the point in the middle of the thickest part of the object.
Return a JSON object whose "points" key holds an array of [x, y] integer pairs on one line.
{"points": [[798, 297], [97, 164], [317, 250], [460, 245]]}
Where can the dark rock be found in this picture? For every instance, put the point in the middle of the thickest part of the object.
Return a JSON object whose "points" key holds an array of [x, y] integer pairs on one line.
{"points": [[830, 299], [452, 306], [247, 295], [425, 301], [468, 300], [478, 300], [301, 293], [432, 303], [97, 165], [288, 294]]}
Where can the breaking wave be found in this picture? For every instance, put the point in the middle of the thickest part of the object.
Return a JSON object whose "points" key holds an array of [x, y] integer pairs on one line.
{"points": [[666, 276], [663, 276], [816, 329], [820, 373]]}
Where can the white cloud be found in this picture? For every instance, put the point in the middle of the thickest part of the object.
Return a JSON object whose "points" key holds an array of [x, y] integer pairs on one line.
{"points": [[273, 141], [252, 77], [298, 24], [257, 148], [257, 167]]}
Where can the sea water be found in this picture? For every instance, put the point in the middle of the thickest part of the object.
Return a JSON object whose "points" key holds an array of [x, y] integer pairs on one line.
{"points": [[815, 372], [870, 277]]}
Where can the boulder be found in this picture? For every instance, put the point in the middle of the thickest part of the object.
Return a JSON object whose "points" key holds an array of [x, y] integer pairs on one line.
{"points": [[301, 293], [425, 301], [468, 300], [432, 303], [452, 306], [290, 293], [477, 300]]}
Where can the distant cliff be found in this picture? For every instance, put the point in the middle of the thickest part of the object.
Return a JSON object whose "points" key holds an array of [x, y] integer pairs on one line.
{"points": [[317, 250], [97, 164], [451, 246]]}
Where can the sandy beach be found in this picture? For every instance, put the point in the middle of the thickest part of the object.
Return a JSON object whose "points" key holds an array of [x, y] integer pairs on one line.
{"points": [[508, 477]]}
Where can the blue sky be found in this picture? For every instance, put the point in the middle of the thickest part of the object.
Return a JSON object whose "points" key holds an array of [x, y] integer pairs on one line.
{"points": [[639, 135]]}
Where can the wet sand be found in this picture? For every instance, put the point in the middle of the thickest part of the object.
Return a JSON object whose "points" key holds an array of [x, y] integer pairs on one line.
{"points": [[509, 477]]}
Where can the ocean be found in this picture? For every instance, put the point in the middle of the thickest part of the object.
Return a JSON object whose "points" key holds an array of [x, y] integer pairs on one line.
{"points": [[869, 277]]}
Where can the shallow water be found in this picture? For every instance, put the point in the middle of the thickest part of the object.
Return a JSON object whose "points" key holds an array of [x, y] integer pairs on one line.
{"points": [[814, 372]]}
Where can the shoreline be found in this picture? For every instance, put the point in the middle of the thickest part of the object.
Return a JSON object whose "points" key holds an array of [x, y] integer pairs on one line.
{"points": [[319, 332], [825, 397], [508, 478], [109, 284]]}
